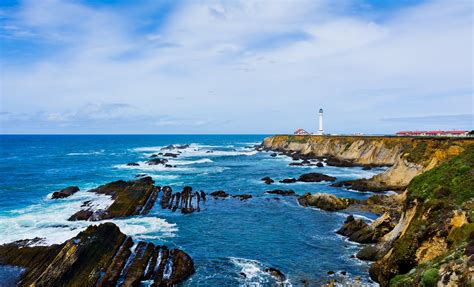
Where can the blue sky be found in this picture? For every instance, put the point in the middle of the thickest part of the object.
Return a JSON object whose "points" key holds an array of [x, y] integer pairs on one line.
{"points": [[143, 66]]}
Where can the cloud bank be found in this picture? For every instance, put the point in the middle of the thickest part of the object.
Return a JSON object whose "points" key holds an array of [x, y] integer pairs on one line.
{"points": [[234, 66]]}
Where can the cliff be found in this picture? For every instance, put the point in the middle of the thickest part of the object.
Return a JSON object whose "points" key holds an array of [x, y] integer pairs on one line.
{"points": [[406, 157], [433, 244]]}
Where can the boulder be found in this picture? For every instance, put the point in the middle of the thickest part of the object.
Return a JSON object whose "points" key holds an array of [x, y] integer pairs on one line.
{"points": [[288, 180], [219, 193], [315, 177], [359, 231], [68, 191], [281, 192], [273, 155], [325, 201], [267, 180], [319, 164]]}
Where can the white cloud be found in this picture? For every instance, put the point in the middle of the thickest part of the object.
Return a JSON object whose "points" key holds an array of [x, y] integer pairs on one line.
{"points": [[269, 65]]}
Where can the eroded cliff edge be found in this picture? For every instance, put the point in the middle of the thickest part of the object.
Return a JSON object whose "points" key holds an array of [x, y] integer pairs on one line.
{"points": [[406, 157]]}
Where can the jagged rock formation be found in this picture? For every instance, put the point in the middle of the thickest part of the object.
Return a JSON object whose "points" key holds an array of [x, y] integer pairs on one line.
{"points": [[68, 191], [359, 231], [182, 200], [219, 193], [129, 198], [98, 256], [407, 157], [326, 201]]}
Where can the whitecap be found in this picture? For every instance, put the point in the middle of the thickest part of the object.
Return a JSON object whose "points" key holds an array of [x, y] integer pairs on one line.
{"points": [[49, 221], [86, 153], [142, 165]]}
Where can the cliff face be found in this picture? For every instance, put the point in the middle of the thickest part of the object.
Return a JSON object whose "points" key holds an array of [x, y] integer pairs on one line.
{"points": [[433, 244], [407, 157]]}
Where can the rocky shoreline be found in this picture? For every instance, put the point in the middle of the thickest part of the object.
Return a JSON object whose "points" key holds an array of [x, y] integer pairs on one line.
{"points": [[425, 234]]}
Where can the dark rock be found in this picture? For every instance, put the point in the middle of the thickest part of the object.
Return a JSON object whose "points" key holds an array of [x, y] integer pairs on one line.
{"points": [[369, 253], [140, 175], [183, 267], [275, 273], [219, 193], [359, 231], [273, 155], [203, 196], [330, 272], [267, 180], [166, 197], [81, 215], [320, 164], [281, 192], [184, 146], [288, 180], [68, 191], [133, 164], [170, 154], [243, 274], [97, 256], [366, 168], [315, 177], [156, 161], [243, 196]]}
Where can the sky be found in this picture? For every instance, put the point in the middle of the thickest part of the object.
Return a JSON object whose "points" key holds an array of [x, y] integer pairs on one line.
{"points": [[213, 67]]}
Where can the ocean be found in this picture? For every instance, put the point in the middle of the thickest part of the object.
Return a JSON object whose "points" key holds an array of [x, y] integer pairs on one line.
{"points": [[227, 239]]}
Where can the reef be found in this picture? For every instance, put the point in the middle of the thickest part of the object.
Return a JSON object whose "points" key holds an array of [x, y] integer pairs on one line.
{"points": [[101, 255]]}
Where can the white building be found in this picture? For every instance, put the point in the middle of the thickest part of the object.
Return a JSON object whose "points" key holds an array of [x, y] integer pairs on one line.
{"points": [[321, 130]]}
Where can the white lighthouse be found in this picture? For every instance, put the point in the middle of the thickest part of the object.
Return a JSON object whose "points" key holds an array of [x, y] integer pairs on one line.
{"points": [[320, 131]]}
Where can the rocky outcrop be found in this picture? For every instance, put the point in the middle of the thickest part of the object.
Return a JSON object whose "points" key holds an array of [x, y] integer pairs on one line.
{"points": [[325, 201], [281, 192], [98, 256], [407, 157], [219, 193], [429, 245], [315, 177], [186, 200], [129, 198], [359, 231], [267, 180], [66, 192], [275, 273]]}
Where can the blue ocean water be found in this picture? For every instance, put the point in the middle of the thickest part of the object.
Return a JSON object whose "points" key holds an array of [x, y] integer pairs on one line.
{"points": [[228, 237]]}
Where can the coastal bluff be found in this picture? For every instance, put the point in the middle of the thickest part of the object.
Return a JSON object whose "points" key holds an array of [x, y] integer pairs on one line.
{"points": [[406, 157]]}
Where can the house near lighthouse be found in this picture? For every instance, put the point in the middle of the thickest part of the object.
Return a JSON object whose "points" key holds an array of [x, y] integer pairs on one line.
{"points": [[320, 130]]}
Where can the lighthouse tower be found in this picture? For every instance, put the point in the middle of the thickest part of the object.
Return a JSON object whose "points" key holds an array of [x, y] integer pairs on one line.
{"points": [[320, 131]]}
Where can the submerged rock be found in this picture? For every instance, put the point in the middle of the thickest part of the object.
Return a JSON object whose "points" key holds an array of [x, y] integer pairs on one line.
{"points": [[315, 177], [68, 191], [97, 256], [133, 164], [281, 192], [288, 180], [242, 196], [325, 201]]}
